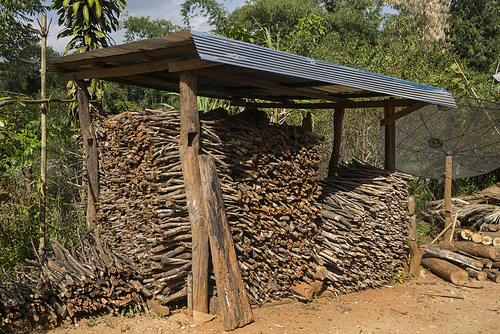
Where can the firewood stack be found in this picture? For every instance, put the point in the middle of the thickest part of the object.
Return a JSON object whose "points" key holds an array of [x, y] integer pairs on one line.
{"points": [[269, 182], [84, 281], [365, 226]]}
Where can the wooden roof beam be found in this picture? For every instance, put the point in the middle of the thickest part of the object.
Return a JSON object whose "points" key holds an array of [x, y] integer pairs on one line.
{"points": [[171, 65], [267, 85], [143, 55]]}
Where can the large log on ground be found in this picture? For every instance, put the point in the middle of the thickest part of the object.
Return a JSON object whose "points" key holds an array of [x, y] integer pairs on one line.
{"points": [[445, 254], [471, 248], [233, 301], [445, 269]]}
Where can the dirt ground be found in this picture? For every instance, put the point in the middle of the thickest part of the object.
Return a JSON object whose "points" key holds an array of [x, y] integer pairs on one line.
{"points": [[424, 305]]}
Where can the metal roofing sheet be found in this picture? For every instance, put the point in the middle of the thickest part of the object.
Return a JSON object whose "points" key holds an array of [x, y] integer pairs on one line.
{"points": [[274, 66], [233, 52]]}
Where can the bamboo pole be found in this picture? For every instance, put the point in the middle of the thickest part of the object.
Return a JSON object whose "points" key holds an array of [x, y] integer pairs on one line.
{"points": [[44, 31]]}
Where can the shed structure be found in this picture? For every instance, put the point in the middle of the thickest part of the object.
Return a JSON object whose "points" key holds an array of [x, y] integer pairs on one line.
{"points": [[194, 63]]}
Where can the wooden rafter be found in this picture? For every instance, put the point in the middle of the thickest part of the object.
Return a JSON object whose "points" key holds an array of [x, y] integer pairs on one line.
{"points": [[267, 85]]}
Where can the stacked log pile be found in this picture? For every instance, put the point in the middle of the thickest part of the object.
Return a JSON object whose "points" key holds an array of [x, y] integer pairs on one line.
{"points": [[269, 182], [365, 226], [461, 261], [87, 280], [292, 233]]}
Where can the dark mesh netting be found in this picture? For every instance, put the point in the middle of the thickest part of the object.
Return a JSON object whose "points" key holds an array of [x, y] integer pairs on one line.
{"points": [[469, 133]]}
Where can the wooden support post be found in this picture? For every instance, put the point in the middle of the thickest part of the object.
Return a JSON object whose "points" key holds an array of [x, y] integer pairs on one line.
{"points": [[390, 140], [189, 145], [447, 196], [91, 154], [338, 118], [44, 31], [307, 122], [233, 301]]}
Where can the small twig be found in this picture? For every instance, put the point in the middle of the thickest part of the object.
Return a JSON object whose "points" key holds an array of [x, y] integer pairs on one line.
{"points": [[444, 296]]}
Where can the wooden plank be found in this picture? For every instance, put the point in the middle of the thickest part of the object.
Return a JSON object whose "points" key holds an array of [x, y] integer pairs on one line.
{"points": [[91, 154], [189, 144], [390, 140], [447, 196], [408, 110], [233, 301], [338, 118], [267, 85]]}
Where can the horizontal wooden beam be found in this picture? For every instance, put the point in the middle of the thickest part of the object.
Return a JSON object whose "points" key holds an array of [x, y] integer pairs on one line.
{"points": [[171, 65], [120, 71], [144, 55], [404, 112], [267, 85], [345, 105]]}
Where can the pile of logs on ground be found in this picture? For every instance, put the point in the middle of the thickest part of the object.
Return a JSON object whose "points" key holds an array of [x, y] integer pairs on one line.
{"points": [[365, 226], [268, 175], [294, 234], [461, 261], [86, 280]]}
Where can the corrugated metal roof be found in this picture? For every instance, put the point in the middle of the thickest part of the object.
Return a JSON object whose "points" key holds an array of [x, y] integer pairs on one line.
{"points": [[250, 62]]}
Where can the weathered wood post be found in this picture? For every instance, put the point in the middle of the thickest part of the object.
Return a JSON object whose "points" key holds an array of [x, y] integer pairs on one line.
{"points": [[338, 118], [390, 139], [447, 196], [189, 144], [233, 300], [91, 154]]}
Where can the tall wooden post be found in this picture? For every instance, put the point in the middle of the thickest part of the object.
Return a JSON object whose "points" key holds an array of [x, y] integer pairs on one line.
{"points": [[338, 118], [91, 154], [44, 31], [447, 196], [390, 140], [189, 144]]}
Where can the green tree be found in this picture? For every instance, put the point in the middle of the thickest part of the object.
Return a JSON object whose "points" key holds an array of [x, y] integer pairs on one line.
{"points": [[214, 11], [137, 28], [89, 22], [475, 32], [15, 28]]}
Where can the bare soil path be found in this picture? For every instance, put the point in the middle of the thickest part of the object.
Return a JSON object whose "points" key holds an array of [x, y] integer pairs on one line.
{"points": [[424, 305]]}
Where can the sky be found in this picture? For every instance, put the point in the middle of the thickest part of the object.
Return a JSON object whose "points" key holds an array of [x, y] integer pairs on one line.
{"points": [[155, 9]]}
